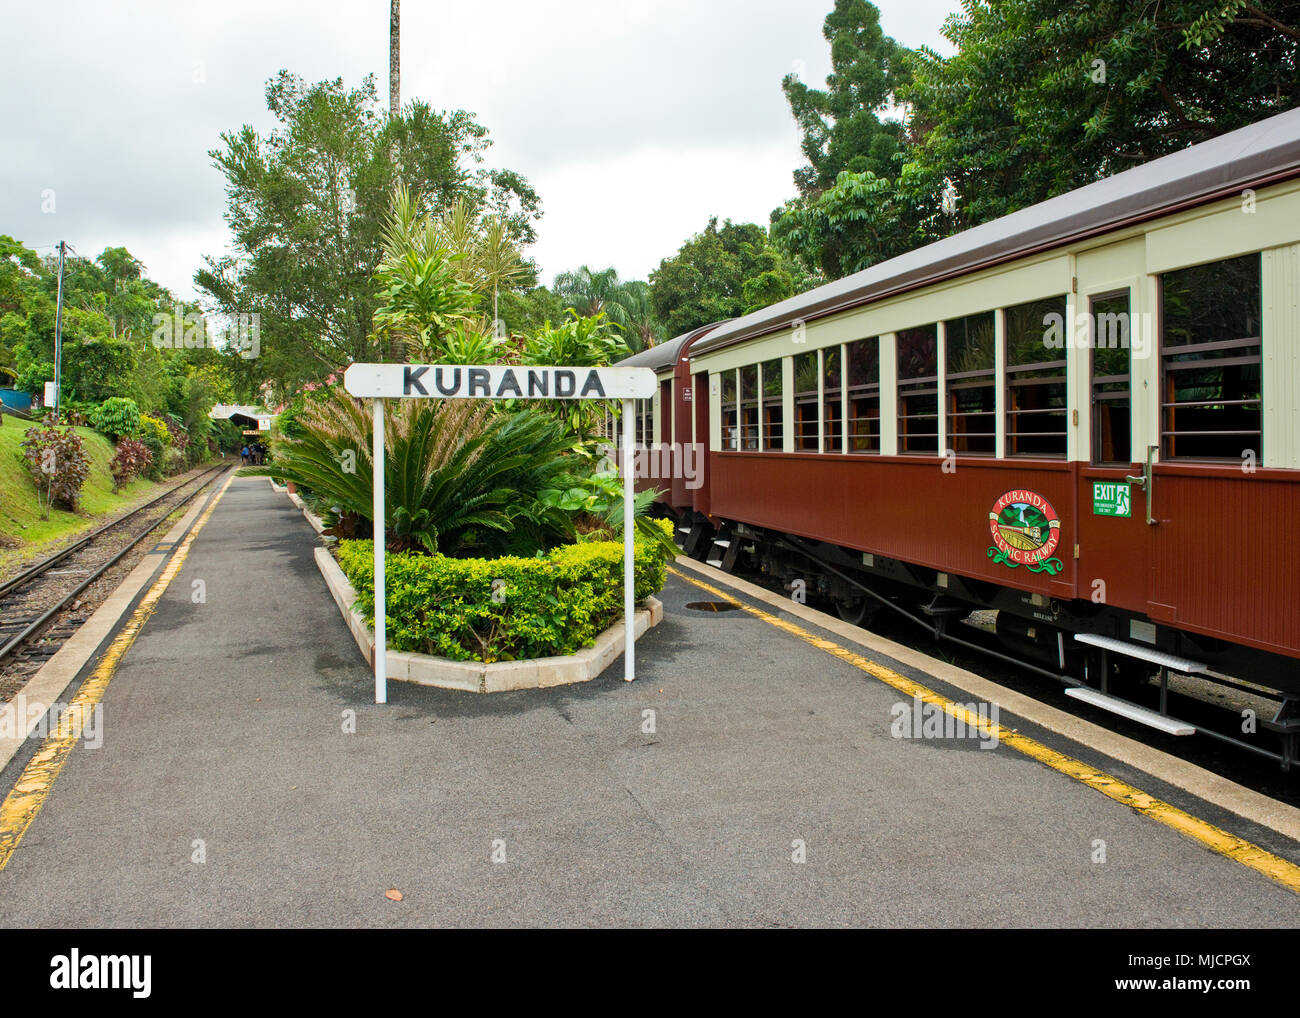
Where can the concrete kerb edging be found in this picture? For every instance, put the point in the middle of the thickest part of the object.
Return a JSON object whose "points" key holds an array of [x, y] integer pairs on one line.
{"points": [[48, 684], [475, 676], [1206, 785]]}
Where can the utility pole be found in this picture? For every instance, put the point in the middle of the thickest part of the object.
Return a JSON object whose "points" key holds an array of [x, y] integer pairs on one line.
{"points": [[394, 64], [58, 336]]}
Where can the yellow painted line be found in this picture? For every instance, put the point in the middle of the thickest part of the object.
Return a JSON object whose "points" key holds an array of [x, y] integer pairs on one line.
{"points": [[27, 797], [1215, 838]]}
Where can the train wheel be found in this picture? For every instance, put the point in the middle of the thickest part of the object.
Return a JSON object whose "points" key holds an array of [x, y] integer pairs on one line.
{"points": [[858, 611]]}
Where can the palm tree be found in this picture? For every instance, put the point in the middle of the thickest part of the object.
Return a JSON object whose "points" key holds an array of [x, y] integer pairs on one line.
{"points": [[627, 304]]}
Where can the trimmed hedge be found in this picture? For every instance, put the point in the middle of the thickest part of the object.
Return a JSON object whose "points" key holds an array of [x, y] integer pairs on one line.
{"points": [[548, 606]]}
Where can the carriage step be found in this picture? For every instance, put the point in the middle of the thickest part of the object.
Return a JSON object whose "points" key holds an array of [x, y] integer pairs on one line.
{"points": [[1148, 654], [1162, 722]]}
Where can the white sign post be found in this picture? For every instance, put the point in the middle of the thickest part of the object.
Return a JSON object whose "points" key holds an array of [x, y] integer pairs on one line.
{"points": [[497, 381]]}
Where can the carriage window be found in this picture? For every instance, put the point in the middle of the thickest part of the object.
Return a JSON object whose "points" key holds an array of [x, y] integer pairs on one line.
{"points": [[730, 433], [805, 401], [1112, 348], [918, 390], [968, 353], [648, 425], [864, 395], [1210, 398], [832, 400], [1036, 391], [749, 408], [773, 407]]}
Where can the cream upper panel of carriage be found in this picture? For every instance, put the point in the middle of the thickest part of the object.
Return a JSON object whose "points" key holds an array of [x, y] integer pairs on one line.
{"points": [[1017, 283], [1215, 382]]}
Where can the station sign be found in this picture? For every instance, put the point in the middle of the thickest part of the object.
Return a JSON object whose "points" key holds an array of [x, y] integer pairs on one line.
{"points": [[1111, 498], [496, 381], [380, 382]]}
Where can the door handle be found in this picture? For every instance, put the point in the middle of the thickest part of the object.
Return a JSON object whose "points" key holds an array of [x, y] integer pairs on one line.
{"points": [[1145, 482]]}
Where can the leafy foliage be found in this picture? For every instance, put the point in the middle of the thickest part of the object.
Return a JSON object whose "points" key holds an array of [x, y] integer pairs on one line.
{"points": [[460, 477], [545, 606], [626, 303], [597, 502], [842, 128], [132, 459], [58, 464], [1041, 97], [116, 417], [307, 206], [706, 281]]}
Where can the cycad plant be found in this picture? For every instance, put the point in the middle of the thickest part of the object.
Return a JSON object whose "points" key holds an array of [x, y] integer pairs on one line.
{"points": [[460, 477]]}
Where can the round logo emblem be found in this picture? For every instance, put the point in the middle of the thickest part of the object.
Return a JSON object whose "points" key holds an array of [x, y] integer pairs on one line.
{"points": [[1026, 531]]}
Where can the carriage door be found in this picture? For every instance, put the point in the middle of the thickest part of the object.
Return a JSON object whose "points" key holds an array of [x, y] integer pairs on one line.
{"points": [[1111, 510]]}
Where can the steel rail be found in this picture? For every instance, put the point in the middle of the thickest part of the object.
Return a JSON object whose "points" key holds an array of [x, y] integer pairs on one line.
{"points": [[31, 573], [39, 623]]}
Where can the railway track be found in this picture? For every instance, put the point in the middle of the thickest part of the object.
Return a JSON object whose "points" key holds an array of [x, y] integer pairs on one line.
{"points": [[41, 607]]}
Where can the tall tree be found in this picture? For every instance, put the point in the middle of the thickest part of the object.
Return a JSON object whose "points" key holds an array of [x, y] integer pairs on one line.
{"points": [[306, 206], [625, 302], [1044, 96], [721, 273], [842, 127]]}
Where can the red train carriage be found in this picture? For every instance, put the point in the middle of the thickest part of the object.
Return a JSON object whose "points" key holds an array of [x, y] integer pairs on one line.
{"points": [[1085, 415]]}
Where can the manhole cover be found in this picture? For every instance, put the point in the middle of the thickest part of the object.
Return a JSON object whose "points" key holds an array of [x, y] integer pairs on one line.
{"points": [[713, 606]]}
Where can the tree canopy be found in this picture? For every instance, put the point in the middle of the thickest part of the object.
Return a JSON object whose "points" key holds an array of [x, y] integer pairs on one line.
{"points": [[1041, 96], [307, 204], [721, 273]]}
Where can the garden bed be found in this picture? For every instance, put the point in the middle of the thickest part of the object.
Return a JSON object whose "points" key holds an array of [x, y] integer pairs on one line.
{"points": [[480, 676]]}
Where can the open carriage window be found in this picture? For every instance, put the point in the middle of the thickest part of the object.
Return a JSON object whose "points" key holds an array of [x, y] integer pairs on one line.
{"points": [[1211, 397], [864, 394], [1036, 410], [970, 384], [805, 401], [773, 407], [832, 400], [749, 408], [730, 428], [918, 390]]}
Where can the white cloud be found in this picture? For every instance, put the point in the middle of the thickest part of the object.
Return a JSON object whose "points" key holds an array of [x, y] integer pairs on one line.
{"points": [[635, 120]]}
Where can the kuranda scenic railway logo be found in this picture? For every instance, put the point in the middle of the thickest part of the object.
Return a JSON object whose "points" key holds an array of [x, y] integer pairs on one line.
{"points": [[1026, 531]]}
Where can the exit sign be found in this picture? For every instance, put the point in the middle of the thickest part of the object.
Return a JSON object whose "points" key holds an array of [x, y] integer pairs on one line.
{"points": [[1111, 498]]}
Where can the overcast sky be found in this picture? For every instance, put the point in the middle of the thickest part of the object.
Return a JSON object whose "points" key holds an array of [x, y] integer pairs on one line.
{"points": [[635, 120]]}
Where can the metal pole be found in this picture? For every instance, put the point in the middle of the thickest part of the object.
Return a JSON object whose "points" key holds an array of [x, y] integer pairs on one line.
{"points": [[629, 485], [381, 631], [58, 337]]}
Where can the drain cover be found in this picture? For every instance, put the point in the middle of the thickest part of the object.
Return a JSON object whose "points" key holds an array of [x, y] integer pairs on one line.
{"points": [[713, 606]]}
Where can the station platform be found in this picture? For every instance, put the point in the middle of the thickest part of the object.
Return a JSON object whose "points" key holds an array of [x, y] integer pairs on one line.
{"points": [[772, 791]]}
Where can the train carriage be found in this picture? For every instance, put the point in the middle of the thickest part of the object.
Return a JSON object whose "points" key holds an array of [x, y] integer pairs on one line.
{"points": [[1085, 415]]}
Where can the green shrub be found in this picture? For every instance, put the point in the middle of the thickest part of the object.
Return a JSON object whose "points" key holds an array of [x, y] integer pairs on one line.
{"points": [[117, 417], [460, 477], [154, 428], [551, 605], [173, 461]]}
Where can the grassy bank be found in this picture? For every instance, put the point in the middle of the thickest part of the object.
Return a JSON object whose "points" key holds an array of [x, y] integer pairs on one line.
{"points": [[23, 531]]}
